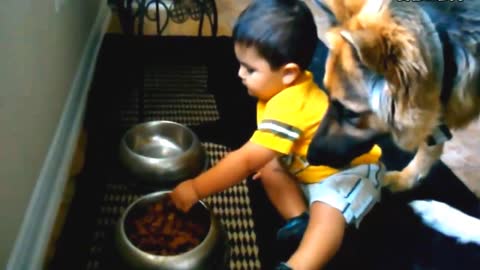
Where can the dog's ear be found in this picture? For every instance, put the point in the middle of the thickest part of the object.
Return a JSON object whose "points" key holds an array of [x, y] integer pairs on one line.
{"points": [[372, 9], [338, 11], [368, 47], [331, 13], [324, 7]]}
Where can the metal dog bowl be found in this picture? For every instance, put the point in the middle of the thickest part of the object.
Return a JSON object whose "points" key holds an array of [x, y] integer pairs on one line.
{"points": [[212, 253], [162, 153]]}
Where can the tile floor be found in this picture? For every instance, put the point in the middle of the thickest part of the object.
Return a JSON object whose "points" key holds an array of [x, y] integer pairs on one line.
{"points": [[462, 155]]}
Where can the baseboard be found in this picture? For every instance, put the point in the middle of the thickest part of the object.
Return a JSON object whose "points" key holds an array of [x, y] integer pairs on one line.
{"points": [[32, 241]]}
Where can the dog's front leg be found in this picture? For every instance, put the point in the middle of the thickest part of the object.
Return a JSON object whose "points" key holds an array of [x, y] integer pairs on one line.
{"points": [[417, 169]]}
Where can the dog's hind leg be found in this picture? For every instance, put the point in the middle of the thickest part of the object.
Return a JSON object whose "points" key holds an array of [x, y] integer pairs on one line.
{"points": [[417, 169]]}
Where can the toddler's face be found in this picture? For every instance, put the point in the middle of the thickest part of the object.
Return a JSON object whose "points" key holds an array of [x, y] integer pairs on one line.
{"points": [[261, 81]]}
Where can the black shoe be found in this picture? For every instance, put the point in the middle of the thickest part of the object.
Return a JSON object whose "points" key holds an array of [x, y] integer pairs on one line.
{"points": [[294, 228], [283, 266]]}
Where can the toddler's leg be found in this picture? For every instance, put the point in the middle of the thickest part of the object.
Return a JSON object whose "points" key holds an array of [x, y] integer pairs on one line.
{"points": [[287, 197], [341, 199], [321, 240], [283, 190]]}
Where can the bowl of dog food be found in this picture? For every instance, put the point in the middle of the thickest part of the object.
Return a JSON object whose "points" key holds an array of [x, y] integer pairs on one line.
{"points": [[153, 234], [162, 153]]}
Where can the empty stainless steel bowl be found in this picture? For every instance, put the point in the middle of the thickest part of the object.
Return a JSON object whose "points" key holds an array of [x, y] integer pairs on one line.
{"points": [[211, 254], [162, 153]]}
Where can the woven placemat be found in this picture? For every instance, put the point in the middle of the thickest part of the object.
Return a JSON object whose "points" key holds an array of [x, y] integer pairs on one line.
{"points": [[177, 93], [235, 212]]}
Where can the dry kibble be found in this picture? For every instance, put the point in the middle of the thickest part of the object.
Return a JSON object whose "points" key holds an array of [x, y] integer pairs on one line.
{"points": [[162, 229]]}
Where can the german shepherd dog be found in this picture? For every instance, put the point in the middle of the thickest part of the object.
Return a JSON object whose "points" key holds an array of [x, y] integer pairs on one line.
{"points": [[407, 68]]}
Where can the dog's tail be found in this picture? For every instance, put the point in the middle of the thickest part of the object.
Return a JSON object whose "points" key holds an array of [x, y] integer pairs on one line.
{"points": [[448, 220]]}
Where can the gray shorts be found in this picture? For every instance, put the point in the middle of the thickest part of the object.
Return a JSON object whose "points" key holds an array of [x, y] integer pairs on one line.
{"points": [[353, 192]]}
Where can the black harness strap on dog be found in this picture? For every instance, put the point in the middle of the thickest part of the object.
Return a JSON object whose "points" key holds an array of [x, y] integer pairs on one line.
{"points": [[441, 23], [450, 67], [442, 133]]}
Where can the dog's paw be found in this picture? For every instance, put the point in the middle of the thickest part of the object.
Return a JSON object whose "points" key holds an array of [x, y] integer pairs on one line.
{"points": [[448, 220], [397, 181]]}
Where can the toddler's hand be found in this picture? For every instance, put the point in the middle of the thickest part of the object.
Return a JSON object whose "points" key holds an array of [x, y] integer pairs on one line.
{"points": [[184, 195], [256, 176]]}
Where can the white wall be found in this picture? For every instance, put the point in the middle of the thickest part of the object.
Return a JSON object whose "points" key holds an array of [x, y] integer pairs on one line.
{"points": [[40, 50]]}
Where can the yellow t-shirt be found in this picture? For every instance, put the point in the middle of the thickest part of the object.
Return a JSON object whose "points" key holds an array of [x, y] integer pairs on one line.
{"points": [[287, 123]]}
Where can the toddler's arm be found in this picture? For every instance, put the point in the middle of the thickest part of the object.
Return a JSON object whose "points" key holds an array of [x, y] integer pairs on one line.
{"points": [[232, 169]]}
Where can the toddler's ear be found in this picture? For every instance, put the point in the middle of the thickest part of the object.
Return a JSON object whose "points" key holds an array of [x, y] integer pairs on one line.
{"points": [[290, 73]]}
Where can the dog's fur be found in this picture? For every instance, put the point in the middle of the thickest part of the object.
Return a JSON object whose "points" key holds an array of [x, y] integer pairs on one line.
{"points": [[414, 49], [405, 68]]}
